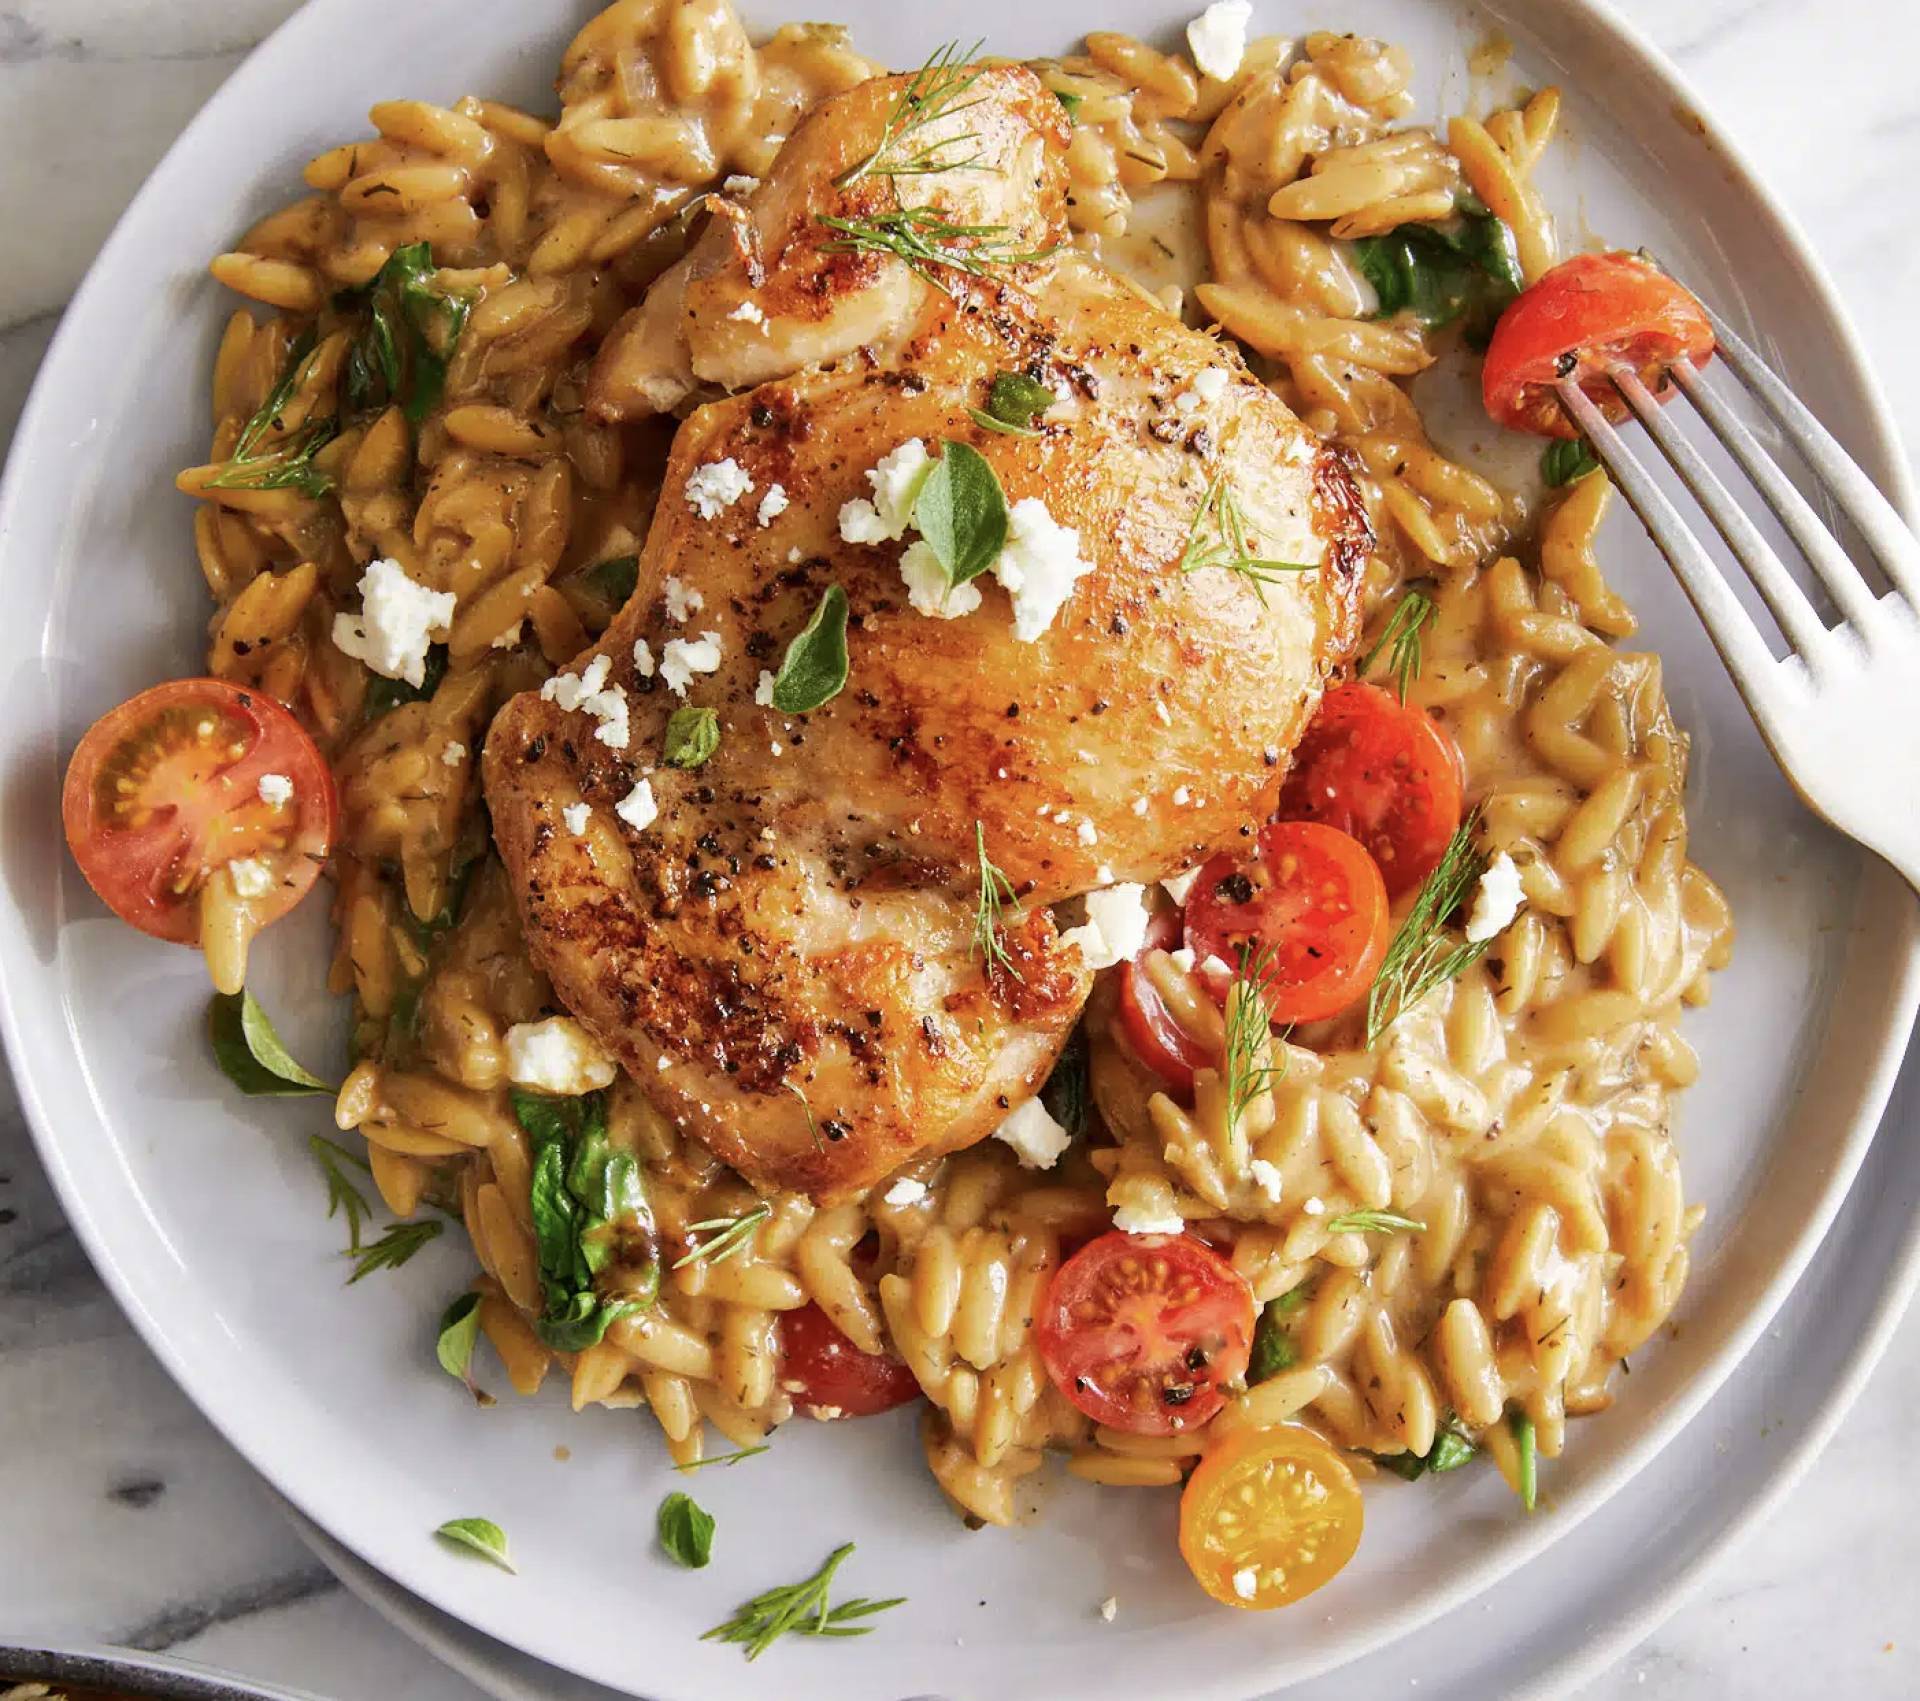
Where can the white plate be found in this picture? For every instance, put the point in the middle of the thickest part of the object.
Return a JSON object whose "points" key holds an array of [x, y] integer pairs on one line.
{"points": [[203, 1212]]}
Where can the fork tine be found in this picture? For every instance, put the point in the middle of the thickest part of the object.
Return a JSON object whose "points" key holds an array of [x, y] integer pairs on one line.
{"points": [[1837, 572], [1879, 521], [1769, 575], [1730, 627]]}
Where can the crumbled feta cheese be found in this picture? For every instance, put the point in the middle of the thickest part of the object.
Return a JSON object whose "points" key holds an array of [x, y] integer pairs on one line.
{"points": [[251, 877], [1218, 38], [589, 692], [643, 658], [896, 479], [1245, 1582], [1039, 566], [662, 1063], [1037, 1140], [1315, 1207], [1160, 709], [1179, 885], [1185, 402], [927, 587], [905, 1191], [576, 816], [1109, 1607], [682, 658], [609, 707], [739, 184], [1129, 1220], [773, 504], [1496, 901], [795, 556], [716, 486], [1115, 929], [453, 753], [824, 1414], [637, 808], [557, 1056], [1104, 875], [1182, 796], [777, 748], [682, 600], [275, 789], [509, 639], [1211, 384], [1139, 806], [1087, 833], [570, 690], [398, 619], [1266, 1177], [748, 313], [1183, 959], [763, 690]]}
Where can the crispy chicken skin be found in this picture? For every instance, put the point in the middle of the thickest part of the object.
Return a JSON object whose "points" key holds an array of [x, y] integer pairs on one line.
{"points": [[784, 959]]}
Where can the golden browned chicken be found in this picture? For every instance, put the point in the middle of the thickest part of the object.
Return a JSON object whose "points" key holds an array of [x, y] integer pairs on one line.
{"points": [[781, 945]]}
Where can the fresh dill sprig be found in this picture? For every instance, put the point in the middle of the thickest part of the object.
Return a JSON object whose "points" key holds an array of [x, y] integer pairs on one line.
{"points": [[342, 1195], [1372, 1222], [1218, 538], [995, 893], [798, 1609], [1420, 955], [926, 239], [729, 1235], [934, 92], [287, 462], [1248, 1051], [723, 1458], [1400, 640], [1526, 1465], [813, 1128], [392, 1249]]}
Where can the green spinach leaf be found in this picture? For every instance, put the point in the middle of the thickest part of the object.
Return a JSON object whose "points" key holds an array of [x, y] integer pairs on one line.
{"points": [[1567, 459], [1273, 1348], [1440, 272], [251, 1053], [686, 1530], [1066, 1093], [384, 694], [412, 328]]}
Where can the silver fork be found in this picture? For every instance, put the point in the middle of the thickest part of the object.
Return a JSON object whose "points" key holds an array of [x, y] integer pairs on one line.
{"points": [[1838, 711]]}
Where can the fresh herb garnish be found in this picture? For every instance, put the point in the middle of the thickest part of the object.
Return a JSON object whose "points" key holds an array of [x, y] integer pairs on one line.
{"points": [[477, 1535], [798, 1609], [1067, 1091], [1440, 272], [466, 862], [693, 735], [613, 579], [728, 1236], [1273, 1348], [1247, 1052], [1527, 1466], [927, 241], [384, 693], [412, 328], [934, 92], [1420, 956], [590, 1216], [458, 1335], [1567, 459], [1373, 1222], [1014, 402], [250, 1053], [1218, 538], [286, 460], [1452, 1447], [962, 513], [342, 1195], [813, 1128], [686, 1530], [1400, 640], [815, 667], [995, 893], [392, 1249], [1072, 102], [724, 1458]]}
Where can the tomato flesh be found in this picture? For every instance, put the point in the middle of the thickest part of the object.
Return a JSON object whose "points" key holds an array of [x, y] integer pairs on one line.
{"points": [[1590, 313], [1384, 772], [1269, 1515], [1143, 1332], [166, 789], [833, 1374], [1311, 906], [1154, 1036]]}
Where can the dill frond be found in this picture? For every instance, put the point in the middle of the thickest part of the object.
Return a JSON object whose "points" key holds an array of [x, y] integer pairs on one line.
{"points": [[1218, 538], [936, 91]]}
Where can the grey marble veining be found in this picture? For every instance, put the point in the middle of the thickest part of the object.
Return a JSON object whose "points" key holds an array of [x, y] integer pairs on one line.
{"points": [[154, 1534]]}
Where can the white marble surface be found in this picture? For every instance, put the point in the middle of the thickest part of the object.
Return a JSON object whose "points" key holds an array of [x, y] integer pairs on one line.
{"points": [[148, 1531]]}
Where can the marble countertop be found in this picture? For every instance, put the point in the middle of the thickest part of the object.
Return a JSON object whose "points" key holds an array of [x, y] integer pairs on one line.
{"points": [[150, 1532]]}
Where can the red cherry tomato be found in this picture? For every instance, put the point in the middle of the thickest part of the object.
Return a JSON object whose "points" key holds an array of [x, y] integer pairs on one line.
{"points": [[1144, 1331], [1312, 902], [1384, 772], [833, 1373], [1593, 311], [166, 789], [1154, 1036]]}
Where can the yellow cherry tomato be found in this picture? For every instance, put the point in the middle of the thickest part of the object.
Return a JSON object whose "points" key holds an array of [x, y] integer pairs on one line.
{"points": [[1268, 1516]]}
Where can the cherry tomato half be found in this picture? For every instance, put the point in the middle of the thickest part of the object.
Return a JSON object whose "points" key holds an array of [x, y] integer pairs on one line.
{"points": [[833, 1373], [1142, 1331], [166, 789], [1154, 1036], [1312, 901], [1592, 312], [1384, 772], [1269, 1515]]}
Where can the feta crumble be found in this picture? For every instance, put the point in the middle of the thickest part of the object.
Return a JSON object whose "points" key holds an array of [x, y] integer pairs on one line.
{"points": [[397, 621], [905, 1191], [509, 639], [1037, 1140], [763, 690], [251, 877], [1315, 1207], [1218, 38], [739, 184], [1087, 833], [1183, 959], [1131, 1220], [1180, 885], [557, 1056], [682, 658], [896, 479], [1211, 384], [643, 658], [927, 587], [571, 690], [637, 808], [715, 487], [588, 692], [1182, 796], [1109, 1607], [773, 504], [682, 600], [748, 313], [453, 753], [1266, 1177], [1496, 901], [275, 789], [1115, 929], [1039, 566], [1245, 1581], [576, 816]]}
